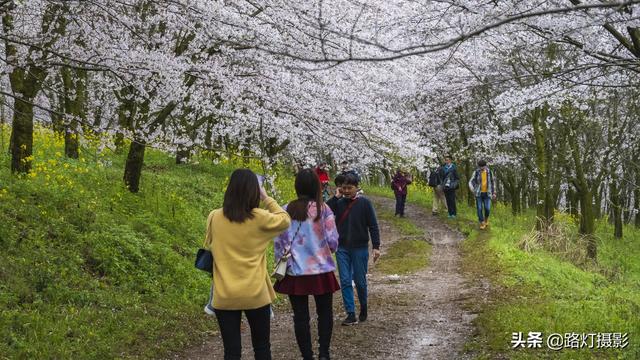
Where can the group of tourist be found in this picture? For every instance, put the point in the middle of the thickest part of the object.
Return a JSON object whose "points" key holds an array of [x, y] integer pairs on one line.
{"points": [[307, 231]]}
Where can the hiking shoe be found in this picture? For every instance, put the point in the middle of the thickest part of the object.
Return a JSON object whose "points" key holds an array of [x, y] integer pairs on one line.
{"points": [[363, 314], [483, 226], [434, 213], [350, 320], [209, 310]]}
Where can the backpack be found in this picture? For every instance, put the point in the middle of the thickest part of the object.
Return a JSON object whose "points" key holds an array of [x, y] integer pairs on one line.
{"points": [[433, 178], [450, 183]]}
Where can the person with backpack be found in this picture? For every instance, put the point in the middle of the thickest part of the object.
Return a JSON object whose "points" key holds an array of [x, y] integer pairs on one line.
{"points": [[356, 223], [482, 184], [450, 184], [310, 241], [399, 185], [436, 178]]}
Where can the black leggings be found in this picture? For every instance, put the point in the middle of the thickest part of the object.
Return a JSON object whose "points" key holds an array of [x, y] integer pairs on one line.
{"points": [[450, 195], [324, 309], [401, 199], [259, 322]]}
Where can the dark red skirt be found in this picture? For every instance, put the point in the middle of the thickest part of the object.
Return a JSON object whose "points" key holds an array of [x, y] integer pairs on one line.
{"points": [[318, 284]]}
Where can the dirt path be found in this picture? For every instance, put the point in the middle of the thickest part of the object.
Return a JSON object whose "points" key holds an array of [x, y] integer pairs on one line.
{"points": [[418, 316]]}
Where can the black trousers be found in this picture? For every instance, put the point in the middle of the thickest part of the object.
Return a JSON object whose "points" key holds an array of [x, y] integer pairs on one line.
{"points": [[324, 309], [400, 201], [450, 195], [259, 322]]}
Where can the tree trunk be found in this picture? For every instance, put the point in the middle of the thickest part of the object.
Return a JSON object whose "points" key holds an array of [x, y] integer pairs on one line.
{"points": [[22, 137], [587, 222], [183, 155], [636, 199], [133, 166], [616, 206], [537, 120], [587, 219], [74, 106]]}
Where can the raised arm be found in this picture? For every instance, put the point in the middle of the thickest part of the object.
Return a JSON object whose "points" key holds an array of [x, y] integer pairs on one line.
{"points": [[277, 220]]}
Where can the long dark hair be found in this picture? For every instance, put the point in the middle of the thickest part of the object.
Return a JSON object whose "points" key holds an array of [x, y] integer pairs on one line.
{"points": [[307, 187], [242, 196]]}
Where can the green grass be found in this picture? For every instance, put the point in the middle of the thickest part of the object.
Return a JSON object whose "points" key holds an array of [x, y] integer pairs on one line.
{"points": [[89, 270], [406, 255], [543, 291]]}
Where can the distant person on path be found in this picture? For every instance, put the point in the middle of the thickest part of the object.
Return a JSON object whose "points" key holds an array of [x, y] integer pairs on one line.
{"points": [[482, 184], [399, 185], [238, 236], [311, 239], [345, 169], [356, 221], [436, 179], [323, 175], [450, 184]]}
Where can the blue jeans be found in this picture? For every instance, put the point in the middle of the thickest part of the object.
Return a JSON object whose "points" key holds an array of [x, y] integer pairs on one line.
{"points": [[352, 265], [483, 201]]}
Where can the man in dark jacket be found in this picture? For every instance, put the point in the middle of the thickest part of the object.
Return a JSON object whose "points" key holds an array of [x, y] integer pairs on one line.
{"points": [[450, 184], [356, 222]]}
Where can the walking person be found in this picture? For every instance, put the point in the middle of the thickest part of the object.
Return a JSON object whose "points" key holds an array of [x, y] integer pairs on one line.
{"points": [[238, 236], [450, 184], [356, 223], [323, 175], [436, 179], [399, 185], [310, 240], [482, 185]]}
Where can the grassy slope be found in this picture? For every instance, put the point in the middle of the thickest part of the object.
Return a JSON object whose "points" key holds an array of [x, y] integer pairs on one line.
{"points": [[539, 291], [90, 270]]}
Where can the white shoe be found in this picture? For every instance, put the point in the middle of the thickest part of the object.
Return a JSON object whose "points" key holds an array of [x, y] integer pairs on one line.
{"points": [[209, 310]]}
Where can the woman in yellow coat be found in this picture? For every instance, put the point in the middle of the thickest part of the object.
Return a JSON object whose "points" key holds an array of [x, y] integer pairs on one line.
{"points": [[238, 236]]}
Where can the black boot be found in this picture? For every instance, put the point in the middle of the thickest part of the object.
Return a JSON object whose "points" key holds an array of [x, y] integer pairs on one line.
{"points": [[363, 313]]}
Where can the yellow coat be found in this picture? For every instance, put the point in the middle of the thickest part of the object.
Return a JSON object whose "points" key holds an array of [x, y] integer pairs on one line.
{"points": [[240, 277]]}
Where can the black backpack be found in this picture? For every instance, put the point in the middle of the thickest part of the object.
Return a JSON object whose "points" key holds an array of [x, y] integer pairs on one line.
{"points": [[433, 178]]}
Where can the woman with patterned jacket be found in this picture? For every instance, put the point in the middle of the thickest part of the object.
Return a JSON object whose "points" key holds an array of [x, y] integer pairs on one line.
{"points": [[310, 240]]}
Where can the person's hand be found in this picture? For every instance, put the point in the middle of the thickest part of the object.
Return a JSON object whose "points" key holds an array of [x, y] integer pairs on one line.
{"points": [[376, 254], [494, 196], [338, 192], [263, 193]]}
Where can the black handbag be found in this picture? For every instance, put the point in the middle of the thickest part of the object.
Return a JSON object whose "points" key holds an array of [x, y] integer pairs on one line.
{"points": [[204, 260], [204, 257]]}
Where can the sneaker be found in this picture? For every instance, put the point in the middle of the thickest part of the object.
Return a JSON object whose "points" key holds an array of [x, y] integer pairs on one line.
{"points": [[363, 314], [434, 213], [350, 320], [209, 310]]}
